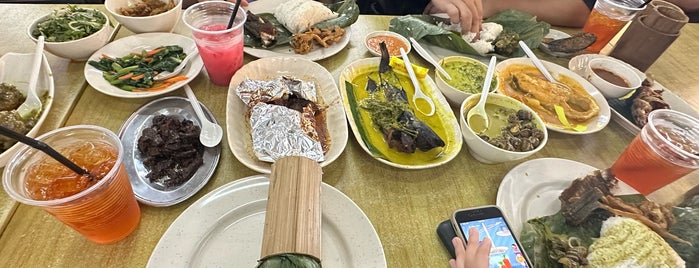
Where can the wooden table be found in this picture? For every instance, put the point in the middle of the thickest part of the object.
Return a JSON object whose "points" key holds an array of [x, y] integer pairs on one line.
{"points": [[404, 206]]}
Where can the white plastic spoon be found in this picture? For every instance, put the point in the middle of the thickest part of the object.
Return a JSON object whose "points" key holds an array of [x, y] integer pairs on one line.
{"points": [[32, 102], [477, 118], [178, 69], [211, 133], [426, 55], [416, 84]]}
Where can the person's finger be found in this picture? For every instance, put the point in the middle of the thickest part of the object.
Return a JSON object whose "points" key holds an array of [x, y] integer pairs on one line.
{"points": [[464, 16], [428, 9], [472, 246], [459, 250], [452, 263], [476, 15], [483, 252], [453, 12]]}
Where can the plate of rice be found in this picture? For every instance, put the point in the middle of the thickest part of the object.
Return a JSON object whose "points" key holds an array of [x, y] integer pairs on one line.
{"points": [[297, 16]]}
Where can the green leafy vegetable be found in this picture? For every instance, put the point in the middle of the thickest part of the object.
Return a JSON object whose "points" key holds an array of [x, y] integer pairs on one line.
{"points": [[348, 12], [289, 261], [687, 216], [70, 23], [354, 105], [137, 70], [426, 27]]}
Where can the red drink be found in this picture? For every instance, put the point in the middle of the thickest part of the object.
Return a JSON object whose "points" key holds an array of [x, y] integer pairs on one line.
{"points": [[604, 27], [666, 149], [222, 59]]}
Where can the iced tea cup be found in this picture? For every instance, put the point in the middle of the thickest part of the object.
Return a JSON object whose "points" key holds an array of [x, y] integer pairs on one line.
{"points": [[607, 18], [666, 149], [220, 48], [103, 209]]}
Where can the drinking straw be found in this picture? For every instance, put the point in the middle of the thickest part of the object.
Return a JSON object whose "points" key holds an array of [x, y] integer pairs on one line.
{"points": [[44, 148], [235, 11], [641, 6]]}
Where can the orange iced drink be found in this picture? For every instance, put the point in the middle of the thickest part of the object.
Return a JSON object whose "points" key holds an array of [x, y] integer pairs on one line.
{"points": [[103, 207], [607, 18]]}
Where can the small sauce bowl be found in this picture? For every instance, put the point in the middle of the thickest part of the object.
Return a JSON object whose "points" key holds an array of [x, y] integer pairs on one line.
{"points": [[613, 78], [393, 41]]}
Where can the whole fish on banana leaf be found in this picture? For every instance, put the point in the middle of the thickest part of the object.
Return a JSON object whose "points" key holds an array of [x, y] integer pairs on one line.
{"points": [[392, 115]]}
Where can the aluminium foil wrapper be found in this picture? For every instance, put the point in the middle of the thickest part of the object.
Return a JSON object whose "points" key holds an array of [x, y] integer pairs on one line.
{"points": [[252, 91], [277, 132]]}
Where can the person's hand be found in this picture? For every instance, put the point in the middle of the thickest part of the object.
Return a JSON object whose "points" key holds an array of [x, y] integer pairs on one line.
{"points": [[474, 255], [467, 12]]}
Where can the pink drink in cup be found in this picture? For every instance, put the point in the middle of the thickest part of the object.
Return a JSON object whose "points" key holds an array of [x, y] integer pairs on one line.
{"points": [[221, 49]]}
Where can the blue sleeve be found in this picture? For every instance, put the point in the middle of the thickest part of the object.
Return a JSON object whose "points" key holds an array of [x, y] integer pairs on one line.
{"points": [[590, 3]]}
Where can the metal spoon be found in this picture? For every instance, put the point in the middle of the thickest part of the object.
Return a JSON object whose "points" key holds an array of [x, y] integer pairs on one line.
{"points": [[178, 69], [540, 65], [477, 118], [426, 55], [211, 133], [32, 102], [416, 84]]}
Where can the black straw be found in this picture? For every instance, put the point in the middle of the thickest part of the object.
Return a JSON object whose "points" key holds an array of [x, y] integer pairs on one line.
{"points": [[641, 6], [44, 148], [235, 11]]}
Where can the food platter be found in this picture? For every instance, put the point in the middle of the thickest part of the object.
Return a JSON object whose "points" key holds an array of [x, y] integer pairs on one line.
{"points": [[453, 140], [237, 126], [137, 43], [224, 229], [316, 54], [578, 64], [555, 35], [594, 124], [151, 193], [531, 189], [15, 69]]}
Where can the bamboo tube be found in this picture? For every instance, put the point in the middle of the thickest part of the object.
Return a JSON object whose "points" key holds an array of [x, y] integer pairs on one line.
{"points": [[293, 217]]}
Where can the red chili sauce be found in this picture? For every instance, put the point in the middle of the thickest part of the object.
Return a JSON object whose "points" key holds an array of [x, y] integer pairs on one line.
{"points": [[392, 43]]}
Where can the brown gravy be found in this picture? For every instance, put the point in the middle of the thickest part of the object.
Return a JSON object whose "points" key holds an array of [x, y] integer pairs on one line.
{"points": [[611, 77]]}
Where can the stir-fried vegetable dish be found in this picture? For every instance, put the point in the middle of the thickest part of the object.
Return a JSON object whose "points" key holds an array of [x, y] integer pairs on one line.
{"points": [[136, 71], [70, 23]]}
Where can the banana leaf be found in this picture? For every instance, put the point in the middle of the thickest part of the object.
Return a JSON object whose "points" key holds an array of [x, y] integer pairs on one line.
{"points": [[289, 261], [687, 215], [426, 27], [348, 12]]}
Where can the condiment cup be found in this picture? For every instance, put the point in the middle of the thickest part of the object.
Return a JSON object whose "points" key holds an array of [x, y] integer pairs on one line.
{"points": [[455, 95], [163, 22], [485, 152], [393, 49], [80, 49], [607, 88]]}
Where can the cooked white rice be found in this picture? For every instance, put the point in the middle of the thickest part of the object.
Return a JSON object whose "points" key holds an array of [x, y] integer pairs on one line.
{"points": [[299, 15], [489, 31]]}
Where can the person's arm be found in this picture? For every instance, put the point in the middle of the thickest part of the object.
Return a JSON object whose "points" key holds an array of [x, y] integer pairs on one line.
{"points": [[570, 13]]}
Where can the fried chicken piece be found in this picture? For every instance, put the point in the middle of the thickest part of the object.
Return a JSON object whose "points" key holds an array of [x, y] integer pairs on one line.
{"points": [[302, 43], [645, 100]]}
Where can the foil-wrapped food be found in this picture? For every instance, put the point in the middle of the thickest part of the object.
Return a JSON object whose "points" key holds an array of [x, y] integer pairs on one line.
{"points": [[286, 118]]}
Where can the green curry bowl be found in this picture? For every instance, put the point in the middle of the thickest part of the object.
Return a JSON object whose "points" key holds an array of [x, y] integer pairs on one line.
{"points": [[467, 78]]}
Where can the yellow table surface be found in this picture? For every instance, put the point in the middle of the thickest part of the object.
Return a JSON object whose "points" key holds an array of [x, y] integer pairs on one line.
{"points": [[404, 206]]}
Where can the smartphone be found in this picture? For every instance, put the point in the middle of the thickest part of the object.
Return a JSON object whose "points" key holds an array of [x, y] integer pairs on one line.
{"points": [[506, 251], [446, 233]]}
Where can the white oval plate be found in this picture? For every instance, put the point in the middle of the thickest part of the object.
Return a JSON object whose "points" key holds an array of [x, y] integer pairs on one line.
{"points": [[595, 124], [150, 193], [224, 228], [531, 189], [138, 42], [453, 141], [316, 54], [237, 125], [555, 35], [15, 69]]}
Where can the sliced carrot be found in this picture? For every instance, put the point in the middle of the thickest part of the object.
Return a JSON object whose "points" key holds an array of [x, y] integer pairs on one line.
{"points": [[105, 56], [154, 51], [148, 59], [137, 77], [126, 76], [175, 79]]}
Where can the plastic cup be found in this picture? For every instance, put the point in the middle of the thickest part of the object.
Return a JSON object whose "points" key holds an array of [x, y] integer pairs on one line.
{"points": [[607, 18], [104, 212], [666, 149], [221, 49]]}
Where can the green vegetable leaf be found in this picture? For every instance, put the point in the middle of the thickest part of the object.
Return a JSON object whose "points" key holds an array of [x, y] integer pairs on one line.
{"points": [[687, 216], [69, 23], [289, 261], [354, 110]]}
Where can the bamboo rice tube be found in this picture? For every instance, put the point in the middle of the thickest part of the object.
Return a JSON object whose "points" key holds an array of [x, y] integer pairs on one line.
{"points": [[293, 217]]}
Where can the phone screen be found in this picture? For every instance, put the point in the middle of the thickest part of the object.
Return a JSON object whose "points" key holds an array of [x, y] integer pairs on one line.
{"points": [[505, 252]]}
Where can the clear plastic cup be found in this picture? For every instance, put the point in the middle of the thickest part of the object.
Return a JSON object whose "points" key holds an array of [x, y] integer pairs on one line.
{"points": [[220, 48], [103, 210], [607, 18], [667, 148]]}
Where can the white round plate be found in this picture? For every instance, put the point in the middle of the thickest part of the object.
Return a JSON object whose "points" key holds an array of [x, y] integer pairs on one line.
{"points": [[531, 189], [595, 124], [15, 69], [151, 193], [318, 53], [237, 123], [138, 42], [224, 228], [555, 35]]}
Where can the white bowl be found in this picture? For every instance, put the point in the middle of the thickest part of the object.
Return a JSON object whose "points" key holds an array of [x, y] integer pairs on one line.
{"points": [[15, 69], [455, 95], [163, 22], [392, 36], [481, 149], [80, 49], [609, 89]]}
